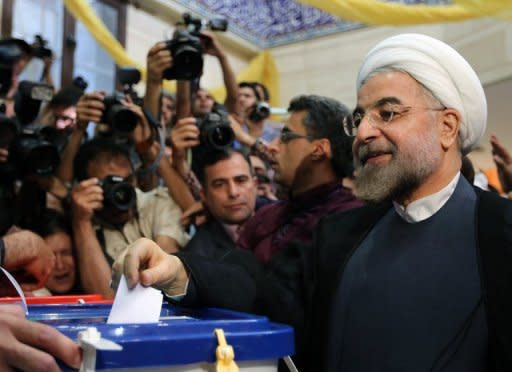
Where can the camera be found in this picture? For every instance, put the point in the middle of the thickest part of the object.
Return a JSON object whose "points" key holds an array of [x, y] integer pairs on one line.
{"points": [[117, 193], [39, 48], [215, 131], [260, 111], [119, 117], [128, 77], [30, 151], [186, 47], [28, 98]]}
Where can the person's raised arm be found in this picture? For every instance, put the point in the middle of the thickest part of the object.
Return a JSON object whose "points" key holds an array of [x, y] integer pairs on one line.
{"points": [[214, 48], [158, 60], [89, 108], [95, 272]]}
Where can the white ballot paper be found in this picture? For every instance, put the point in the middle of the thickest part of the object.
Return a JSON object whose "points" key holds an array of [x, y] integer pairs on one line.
{"points": [[137, 305]]}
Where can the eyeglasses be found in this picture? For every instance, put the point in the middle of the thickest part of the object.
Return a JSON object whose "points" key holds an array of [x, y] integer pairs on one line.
{"points": [[287, 135], [379, 116]]}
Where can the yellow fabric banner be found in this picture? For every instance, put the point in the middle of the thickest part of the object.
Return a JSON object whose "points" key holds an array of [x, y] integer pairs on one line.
{"points": [[262, 68], [375, 12]]}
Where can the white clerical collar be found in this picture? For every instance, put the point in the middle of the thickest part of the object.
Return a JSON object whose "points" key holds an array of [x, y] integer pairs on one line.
{"points": [[424, 208]]}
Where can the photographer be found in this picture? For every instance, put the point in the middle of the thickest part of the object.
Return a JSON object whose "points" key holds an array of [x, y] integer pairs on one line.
{"points": [[252, 112], [109, 212]]}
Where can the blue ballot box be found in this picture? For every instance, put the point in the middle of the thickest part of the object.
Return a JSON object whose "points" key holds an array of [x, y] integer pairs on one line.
{"points": [[183, 339]]}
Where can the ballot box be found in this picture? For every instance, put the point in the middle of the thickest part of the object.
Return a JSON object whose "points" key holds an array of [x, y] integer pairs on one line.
{"points": [[184, 339], [65, 299]]}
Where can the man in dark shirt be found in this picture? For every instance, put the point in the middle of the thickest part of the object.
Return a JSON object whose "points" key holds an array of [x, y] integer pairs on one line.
{"points": [[310, 158], [229, 195]]}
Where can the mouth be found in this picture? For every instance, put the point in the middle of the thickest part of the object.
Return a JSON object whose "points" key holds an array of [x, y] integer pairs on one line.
{"points": [[376, 157], [61, 277], [236, 207], [273, 164]]}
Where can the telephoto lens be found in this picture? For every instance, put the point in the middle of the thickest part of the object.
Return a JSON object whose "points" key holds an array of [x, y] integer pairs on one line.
{"points": [[215, 131]]}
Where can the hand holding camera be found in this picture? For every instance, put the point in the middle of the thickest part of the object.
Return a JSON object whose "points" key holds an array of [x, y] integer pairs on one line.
{"points": [[159, 59], [89, 108], [184, 135], [187, 47], [210, 44], [86, 197]]}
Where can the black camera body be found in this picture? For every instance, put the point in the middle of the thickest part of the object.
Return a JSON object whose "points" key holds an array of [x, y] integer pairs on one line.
{"points": [[28, 99], [117, 116], [40, 50], [118, 194], [260, 111], [186, 47], [30, 151], [215, 131]]}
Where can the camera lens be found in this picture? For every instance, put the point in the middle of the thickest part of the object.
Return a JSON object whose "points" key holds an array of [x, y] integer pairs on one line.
{"points": [[122, 196], [220, 136], [35, 156], [124, 119], [189, 61], [118, 194]]}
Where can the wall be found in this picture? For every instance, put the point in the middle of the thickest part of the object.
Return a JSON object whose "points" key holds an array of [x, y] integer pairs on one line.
{"points": [[329, 66]]}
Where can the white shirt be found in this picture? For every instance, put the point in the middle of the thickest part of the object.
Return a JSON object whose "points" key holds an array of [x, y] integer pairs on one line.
{"points": [[426, 207]]}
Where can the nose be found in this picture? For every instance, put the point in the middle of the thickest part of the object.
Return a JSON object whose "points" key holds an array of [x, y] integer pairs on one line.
{"points": [[233, 190], [58, 262], [273, 146], [366, 132]]}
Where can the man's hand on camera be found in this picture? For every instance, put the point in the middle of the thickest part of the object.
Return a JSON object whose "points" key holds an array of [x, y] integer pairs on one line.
{"points": [[158, 60], [89, 108], [184, 135], [146, 263], [86, 197], [142, 135], [211, 44]]}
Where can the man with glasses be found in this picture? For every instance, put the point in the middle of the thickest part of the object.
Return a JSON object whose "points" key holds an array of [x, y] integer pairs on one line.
{"points": [[310, 157], [419, 280]]}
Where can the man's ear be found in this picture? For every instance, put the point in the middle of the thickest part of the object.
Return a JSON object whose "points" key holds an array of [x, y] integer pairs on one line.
{"points": [[449, 125], [321, 149]]}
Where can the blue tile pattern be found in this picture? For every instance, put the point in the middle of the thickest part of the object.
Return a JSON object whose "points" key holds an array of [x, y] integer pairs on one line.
{"points": [[268, 23]]}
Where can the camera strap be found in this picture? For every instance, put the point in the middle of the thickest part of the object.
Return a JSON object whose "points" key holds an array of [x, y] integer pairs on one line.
{"points": [[156, 126]]}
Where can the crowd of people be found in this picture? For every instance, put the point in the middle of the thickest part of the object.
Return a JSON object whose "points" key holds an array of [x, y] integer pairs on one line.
{"points": [[361, 228]]}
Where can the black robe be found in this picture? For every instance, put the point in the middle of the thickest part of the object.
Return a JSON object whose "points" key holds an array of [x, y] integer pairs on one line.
{"points": [[297, 287]]}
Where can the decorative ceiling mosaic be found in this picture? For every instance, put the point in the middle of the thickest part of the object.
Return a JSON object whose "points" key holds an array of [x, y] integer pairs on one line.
{"points": [[269, 23]]}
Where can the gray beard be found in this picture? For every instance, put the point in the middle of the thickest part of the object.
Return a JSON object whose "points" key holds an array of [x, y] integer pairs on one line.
{"points": [[397, 180]]}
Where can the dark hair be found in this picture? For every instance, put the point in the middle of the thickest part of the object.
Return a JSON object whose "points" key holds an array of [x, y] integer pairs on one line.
{"points": [[214, 156], [66, 97], [98, 149], [246, 84], [50, 222], [324, 119], [266, 94]]}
